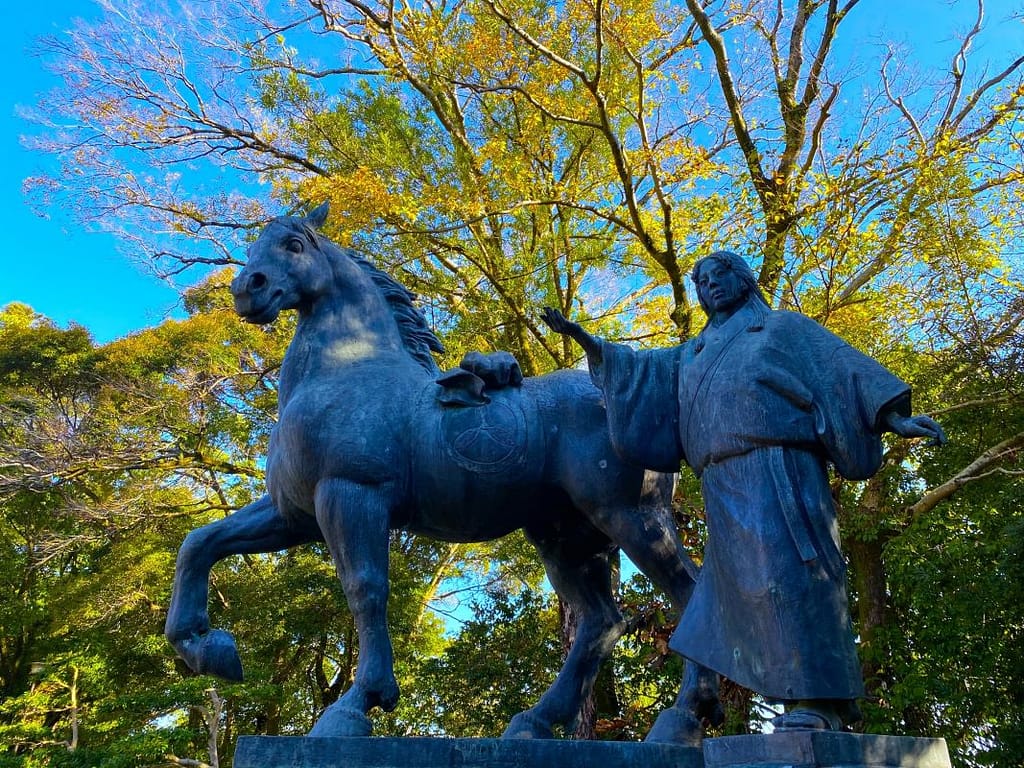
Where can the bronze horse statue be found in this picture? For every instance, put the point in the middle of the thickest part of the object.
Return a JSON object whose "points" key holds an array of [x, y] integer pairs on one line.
{"points": [[368, 440]]}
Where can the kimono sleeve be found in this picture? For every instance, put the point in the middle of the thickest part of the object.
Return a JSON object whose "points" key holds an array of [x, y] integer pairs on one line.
{"points": [[641, 398], [852, 393]]}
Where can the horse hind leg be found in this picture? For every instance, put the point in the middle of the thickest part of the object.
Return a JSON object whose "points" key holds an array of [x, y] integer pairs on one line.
{"points": [[584, 582], [696, 703], [255, 528], [647, 535], [354, 519]]}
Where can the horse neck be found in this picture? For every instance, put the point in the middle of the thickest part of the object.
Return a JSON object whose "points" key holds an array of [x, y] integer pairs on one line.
{"points": [[348, 326]]}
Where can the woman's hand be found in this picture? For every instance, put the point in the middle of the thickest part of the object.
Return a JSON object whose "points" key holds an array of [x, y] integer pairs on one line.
{"points": [[559, 323], [916, 426]]}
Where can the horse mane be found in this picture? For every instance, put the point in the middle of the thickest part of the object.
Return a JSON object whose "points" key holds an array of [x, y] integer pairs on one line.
{"points": [[412, 325], [419, 339]]}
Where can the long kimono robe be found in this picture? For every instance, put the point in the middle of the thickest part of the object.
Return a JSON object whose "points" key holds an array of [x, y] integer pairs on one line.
{"points": [[758, 407]]}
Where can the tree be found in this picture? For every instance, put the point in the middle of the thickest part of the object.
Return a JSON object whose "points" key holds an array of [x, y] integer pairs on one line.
{"points": [[499, 155], [499, 663]]}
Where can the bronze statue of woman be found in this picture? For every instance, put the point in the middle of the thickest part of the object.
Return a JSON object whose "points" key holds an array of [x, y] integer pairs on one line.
{"points": [[758, 404]]}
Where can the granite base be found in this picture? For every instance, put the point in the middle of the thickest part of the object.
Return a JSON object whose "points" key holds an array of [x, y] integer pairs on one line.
{"points": [[795, 749], [372, 752], [824, 749]]}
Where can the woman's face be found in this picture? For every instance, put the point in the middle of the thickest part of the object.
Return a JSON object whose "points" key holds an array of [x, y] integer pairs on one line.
{"points": [[720, 288]]}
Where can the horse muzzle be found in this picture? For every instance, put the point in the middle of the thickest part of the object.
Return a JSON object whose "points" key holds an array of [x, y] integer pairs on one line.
{"points": [[253, 302]]}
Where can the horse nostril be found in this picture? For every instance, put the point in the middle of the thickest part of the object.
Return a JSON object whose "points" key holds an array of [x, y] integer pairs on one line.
{"points": [[257, 282]]}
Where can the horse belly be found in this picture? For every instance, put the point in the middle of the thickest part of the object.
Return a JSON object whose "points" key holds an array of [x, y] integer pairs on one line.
{"points": [[463, 506]]}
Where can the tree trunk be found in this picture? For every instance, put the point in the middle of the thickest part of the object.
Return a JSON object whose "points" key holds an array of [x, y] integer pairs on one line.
{"points": [[73, 744], [872, 609], [212, 715], [864, 546]]}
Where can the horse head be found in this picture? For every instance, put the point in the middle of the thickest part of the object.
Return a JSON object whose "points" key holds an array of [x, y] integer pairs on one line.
{"points": [[286, 268], [292, 266]]}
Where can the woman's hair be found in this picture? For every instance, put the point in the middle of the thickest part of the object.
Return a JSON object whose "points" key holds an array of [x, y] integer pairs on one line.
{"points": [[736, 264]]}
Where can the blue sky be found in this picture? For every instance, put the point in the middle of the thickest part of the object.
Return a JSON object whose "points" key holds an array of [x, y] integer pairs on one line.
{"points": [[50, 263], [83, 277]]}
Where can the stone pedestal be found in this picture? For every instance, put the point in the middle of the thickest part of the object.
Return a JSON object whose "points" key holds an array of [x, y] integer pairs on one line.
{"points": [[824, 749], [304, 752], [797, 749]]}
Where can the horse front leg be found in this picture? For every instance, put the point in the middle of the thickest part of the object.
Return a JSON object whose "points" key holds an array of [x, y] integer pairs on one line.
{"points": [[255, 528], [354, 520]]}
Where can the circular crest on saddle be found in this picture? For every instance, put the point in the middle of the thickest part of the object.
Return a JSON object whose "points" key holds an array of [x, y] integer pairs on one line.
{"points": [[486, 439]]}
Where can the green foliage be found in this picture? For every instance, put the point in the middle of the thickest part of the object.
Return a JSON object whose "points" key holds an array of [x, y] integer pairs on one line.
{"points": [[111, 455], [499, 663], [958, 632]]}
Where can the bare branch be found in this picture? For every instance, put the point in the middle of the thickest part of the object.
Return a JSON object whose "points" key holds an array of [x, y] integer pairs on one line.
{"points": [[1006, 450], [536, 45], [732, 98], [519, 205], [981, 90], [898, 102], [959, 67]]}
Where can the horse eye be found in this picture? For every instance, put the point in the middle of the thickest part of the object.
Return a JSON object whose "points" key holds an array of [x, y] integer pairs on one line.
{"points": [[294, 245]]}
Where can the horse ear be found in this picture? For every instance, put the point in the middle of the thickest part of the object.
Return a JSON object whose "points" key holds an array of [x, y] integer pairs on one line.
{"points": [[318, 216]]}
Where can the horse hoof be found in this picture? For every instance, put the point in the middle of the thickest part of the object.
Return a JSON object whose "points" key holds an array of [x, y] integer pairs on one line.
{"points": [[389, 699], [807, 719], [341, 723], [526, 725], [676, 726], [212, 653]]}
